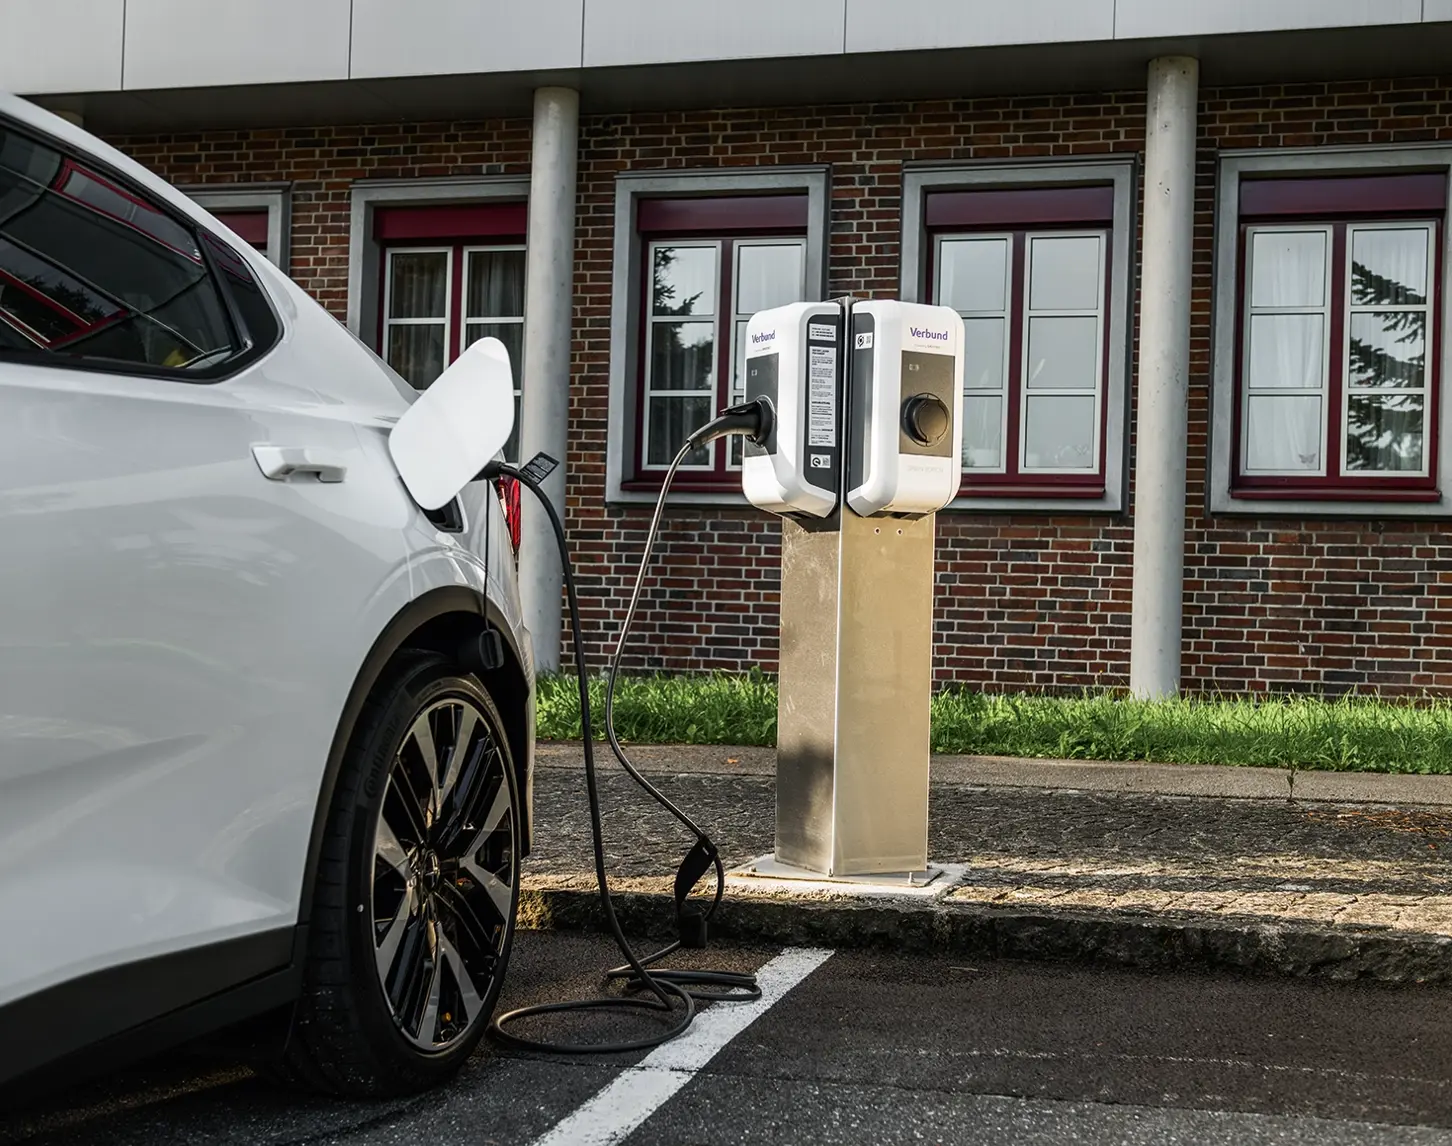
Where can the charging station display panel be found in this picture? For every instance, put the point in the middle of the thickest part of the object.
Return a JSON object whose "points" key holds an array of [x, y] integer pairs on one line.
{"points": [[794, 360], [821, 441]]}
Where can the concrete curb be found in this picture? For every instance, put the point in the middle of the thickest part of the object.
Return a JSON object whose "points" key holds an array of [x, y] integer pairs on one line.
{"points": [[1163, 941]]}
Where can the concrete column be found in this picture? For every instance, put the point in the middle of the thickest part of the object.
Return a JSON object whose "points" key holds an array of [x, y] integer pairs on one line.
{"points": [[1164, 367], [545, 391]]}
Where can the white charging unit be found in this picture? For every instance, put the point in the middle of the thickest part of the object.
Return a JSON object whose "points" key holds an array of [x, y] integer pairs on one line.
{"points": [[906, 453]]}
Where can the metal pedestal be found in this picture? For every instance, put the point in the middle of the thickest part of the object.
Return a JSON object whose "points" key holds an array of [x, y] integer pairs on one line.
{"points": [[855, 683]]}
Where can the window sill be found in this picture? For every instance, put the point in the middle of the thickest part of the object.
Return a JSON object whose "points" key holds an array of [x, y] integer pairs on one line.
{"points": [[1349, 496], [640, 493], [970, 493], [1082, 500], [1324, 503]]}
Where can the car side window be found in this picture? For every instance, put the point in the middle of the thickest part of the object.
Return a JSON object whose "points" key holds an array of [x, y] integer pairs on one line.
{"points": [[92, 274]]}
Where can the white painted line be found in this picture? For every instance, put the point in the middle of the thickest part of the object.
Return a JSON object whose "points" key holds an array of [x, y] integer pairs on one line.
{"points": [[639, 1091]]}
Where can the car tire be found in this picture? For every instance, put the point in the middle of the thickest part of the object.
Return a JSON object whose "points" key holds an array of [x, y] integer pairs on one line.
{"points": [[417, 890]]}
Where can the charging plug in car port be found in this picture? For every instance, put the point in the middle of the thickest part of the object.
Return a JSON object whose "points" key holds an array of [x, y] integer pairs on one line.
{"points": [[483, 652]]}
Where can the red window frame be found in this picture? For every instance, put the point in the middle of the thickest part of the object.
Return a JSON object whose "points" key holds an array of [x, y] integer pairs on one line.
{"points": [[726, 220], [1340, 203], [1022, 213]]}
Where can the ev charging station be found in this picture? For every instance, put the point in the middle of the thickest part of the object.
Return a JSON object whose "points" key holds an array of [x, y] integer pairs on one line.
{"points": [[864, 449], [853, 427]]}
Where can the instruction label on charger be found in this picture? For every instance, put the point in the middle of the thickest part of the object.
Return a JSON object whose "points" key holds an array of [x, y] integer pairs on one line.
{"points": [[822, 396], [821, 332]]}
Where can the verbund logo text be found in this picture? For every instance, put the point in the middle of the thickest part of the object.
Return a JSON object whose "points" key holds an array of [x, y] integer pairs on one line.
{"points": [[770, 336], [933, 335]]}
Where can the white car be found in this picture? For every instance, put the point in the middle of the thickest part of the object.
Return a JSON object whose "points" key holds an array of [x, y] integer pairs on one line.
{"points": [[266, 725]]}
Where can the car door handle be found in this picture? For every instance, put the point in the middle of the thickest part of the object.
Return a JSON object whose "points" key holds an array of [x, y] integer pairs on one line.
{"points": [[278, 463]]}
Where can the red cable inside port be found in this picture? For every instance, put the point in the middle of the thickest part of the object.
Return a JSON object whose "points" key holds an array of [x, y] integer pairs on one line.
{"points": [[508, 490]]}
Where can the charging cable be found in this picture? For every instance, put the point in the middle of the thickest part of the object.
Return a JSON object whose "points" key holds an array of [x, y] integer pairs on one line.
{"points": [[667, 992]]}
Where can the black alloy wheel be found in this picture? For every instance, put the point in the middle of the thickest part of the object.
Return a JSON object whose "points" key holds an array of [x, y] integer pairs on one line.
{"points": [[416, 892], [442, 902]]}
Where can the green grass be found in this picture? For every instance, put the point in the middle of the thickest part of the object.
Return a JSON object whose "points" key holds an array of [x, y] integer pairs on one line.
{"points": [[1353, 734], [719, 709]]}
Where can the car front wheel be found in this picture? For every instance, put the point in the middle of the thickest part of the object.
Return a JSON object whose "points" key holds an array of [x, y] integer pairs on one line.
{"points": [[417, 888]]}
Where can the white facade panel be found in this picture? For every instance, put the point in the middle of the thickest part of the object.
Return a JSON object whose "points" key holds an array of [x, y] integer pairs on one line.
{"points": [[1437, 10], [61, 46], [209, 43], [880, 25], [1137, 19], [677, 31], [437, 37]]}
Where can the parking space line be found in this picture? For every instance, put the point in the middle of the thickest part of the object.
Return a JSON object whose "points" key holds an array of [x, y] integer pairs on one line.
{"points": [[639, 1091]]}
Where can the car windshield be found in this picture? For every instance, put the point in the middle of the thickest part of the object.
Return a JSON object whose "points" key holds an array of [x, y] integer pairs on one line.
{"points": [[87, 267]]}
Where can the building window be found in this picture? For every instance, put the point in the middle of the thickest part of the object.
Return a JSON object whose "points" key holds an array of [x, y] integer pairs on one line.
{"points": [[440, 296], [710, 264], [1336, 384], [1035, 317], [1328, 333], [1036, 262], [697, 254], [701, 295]]}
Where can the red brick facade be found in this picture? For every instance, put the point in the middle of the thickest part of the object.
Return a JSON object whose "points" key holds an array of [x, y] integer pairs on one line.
{"points": [[1024, 601]]}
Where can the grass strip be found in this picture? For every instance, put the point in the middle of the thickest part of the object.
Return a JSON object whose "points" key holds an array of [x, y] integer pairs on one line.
{"points": [[1347, 734]]}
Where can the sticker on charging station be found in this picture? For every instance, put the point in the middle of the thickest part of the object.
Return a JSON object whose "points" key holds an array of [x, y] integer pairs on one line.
{"points": [[822, 396], [821, 332]]}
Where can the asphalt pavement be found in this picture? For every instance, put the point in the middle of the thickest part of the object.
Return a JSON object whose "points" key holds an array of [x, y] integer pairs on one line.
{"points": [[859, 1047]]}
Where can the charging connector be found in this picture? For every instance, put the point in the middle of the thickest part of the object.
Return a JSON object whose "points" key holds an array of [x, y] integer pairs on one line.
{"points": [[753, 420], [671, 993]]}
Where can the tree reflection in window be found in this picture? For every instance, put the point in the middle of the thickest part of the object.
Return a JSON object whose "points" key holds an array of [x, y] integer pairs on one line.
{"points": [[681, 370], [1386, 407]]}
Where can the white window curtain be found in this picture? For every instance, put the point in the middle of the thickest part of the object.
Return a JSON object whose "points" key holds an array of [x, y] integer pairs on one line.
{"points": [[1285, 351], [416, 313]]}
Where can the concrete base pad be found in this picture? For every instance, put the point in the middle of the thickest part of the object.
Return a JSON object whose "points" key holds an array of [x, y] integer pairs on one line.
{"points": [[768, 869]]}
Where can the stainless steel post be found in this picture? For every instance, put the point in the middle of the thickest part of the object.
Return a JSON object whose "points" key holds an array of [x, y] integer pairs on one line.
{"points": [[855, 685]]}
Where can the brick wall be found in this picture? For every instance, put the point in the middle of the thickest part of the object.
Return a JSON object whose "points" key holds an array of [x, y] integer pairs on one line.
{"points": [[1024, 601]]}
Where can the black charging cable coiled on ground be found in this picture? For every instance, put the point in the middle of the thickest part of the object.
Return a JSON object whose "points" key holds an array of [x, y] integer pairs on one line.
{"points": [[664, 991]]}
